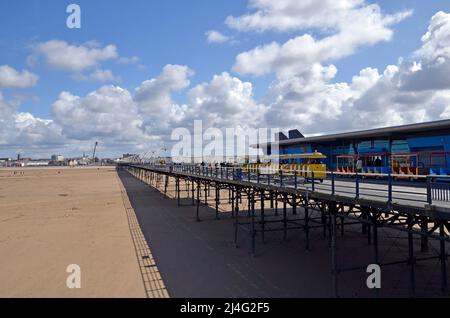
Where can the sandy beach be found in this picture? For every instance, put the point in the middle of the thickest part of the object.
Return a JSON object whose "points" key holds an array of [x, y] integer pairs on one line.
{"points": [[53, 217]]}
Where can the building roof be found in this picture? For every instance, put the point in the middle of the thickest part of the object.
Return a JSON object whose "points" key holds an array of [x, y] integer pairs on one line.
{"points": [[395, 131]]}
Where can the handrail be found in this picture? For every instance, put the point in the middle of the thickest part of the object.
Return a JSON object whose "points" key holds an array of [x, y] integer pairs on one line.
{"points": [[292, 171], [431, 191]]}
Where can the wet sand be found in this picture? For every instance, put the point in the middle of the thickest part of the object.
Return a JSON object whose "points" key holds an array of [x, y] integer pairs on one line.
{"points": [[53, 217]]}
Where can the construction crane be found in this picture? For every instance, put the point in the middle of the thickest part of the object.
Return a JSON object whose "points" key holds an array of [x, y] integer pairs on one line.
{"points": [[93, 155]]}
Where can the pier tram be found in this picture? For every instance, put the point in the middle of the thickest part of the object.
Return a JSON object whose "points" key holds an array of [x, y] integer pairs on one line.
{"points": [[306, 165]]}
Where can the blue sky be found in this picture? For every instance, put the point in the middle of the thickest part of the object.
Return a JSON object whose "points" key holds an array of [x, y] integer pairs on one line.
{"points": [[158, 32], [173, 32]]}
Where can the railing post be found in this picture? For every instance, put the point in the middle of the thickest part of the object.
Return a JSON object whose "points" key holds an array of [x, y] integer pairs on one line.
{"points": [[257, 175], [295, 179], [281, 177], [429, 190], [313, 181], [357, 185], [332, 182], [389, 188]]}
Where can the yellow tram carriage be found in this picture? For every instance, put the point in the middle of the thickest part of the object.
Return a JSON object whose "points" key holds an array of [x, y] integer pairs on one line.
{"points": [[306, 165]]}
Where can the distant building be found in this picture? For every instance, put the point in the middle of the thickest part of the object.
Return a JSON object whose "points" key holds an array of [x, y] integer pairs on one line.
{"points": [[5, 162], [57, 158], [128, 155], [37, 163]]}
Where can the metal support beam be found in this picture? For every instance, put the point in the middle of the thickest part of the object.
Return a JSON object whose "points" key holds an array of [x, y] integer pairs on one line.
{"points": [[232, 202], [284, 217], [443, 257], [198, 201], [253, 232], [217, 201], [177, 186], [423, 237], [263, 221], [306, 208], [411, 258], [334, 264], [376, 255], [236, 228], [193, 192]]}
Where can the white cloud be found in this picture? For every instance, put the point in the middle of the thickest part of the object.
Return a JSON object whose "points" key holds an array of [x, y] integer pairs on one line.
{"points": [[24, 130], [64, 56], [108, 113], [98, 76], [9, 77], [436, 42], [306, 99], [213, 36], [154, 99], [347, 24], [325, 15], [7, 109], [433, 65], [154, 96], [284, 15], [415, 90], [304, 93], [128, 60], [35, 132], [446, 113], [225, 101], [119, 119], [113, 115]]}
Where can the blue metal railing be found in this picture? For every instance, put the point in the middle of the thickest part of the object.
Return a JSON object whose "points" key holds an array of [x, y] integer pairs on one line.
{"points": [[429, 191]]}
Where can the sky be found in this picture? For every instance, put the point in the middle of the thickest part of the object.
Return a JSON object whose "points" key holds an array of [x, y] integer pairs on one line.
{"points": [[136, 70]]}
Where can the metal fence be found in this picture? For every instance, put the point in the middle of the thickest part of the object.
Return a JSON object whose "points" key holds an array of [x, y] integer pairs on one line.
{"points": [[440, 190], [380, 187]]}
